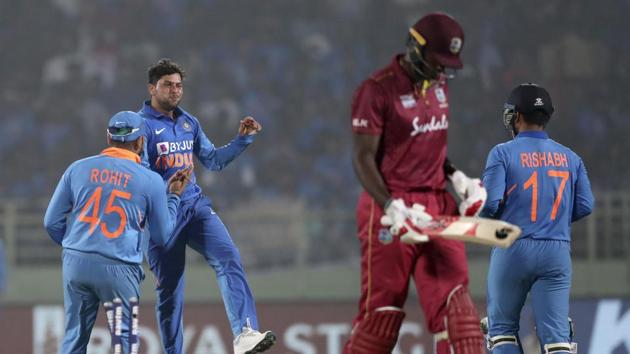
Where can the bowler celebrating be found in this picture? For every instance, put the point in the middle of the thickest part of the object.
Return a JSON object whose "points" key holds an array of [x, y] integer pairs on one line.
{"points": [[173, 137]]}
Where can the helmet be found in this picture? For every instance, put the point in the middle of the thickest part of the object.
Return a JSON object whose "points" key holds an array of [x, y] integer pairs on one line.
{"points": [[526, 99], [441, 36]]}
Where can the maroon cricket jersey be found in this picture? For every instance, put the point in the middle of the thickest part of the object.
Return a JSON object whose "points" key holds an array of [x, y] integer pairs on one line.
{"points": [[412, 124]]}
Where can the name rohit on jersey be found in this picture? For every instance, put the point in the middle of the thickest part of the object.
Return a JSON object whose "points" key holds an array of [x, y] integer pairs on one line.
{"points": [[174, 154], [113, 177], [544, 159]]}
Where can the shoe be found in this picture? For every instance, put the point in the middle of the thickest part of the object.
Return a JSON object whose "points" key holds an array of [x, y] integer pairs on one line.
{"points": [[250, 341]]}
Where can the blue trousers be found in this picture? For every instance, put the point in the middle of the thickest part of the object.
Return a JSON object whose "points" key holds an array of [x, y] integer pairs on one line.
{"points": [[89, 280], [541, 268], [199, 227]]}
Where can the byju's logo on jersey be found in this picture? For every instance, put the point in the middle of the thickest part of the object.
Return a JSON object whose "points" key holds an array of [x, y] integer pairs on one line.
{"points": [[167, 147], [174, 154], [162, 148]]}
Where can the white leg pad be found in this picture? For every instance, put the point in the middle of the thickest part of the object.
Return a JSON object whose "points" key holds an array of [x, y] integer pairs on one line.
{"points": [[500, 340], [552, 348]]}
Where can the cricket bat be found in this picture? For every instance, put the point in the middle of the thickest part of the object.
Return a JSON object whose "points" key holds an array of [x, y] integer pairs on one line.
{"points": [[489, 232]]}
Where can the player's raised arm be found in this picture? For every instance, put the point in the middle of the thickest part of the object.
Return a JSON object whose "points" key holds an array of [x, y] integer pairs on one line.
{"points": [[216, 159], [584, 200], [494, 181], [60, 205]]}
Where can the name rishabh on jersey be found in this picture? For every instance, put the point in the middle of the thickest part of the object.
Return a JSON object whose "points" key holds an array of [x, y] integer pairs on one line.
{"points": [[172, 143], [538, 184]]}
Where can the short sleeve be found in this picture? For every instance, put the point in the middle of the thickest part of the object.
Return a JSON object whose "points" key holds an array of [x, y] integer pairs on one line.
{"points": [[368, 108]]}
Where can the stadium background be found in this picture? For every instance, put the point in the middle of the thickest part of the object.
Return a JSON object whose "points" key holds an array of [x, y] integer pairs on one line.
{"points": [[68, 65]]}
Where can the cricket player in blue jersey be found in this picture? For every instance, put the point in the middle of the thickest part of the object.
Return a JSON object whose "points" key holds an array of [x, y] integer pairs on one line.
{"points": [[541, 186], [173, 136], [97, 214]]}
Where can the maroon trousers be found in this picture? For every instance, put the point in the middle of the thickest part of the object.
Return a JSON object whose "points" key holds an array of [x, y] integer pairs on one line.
{"points": [[387, 265]]}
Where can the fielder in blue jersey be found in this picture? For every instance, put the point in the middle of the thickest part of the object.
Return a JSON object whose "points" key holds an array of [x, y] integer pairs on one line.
{"points": [[97, 214], [173, 137], [541, 186]]}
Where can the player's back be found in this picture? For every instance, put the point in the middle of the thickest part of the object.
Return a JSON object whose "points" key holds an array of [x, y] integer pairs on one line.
{"points": [[546, 186], [111, 196]]}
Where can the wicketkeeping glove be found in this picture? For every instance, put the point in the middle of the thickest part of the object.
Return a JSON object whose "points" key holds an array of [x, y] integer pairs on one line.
{"points": [[472, 193]]}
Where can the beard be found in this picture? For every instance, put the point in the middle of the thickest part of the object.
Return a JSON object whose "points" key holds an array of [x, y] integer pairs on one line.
{"points": [[168, 105]]}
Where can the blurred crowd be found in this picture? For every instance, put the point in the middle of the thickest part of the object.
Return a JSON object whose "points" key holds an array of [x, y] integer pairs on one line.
{"points": [[69, 65]]}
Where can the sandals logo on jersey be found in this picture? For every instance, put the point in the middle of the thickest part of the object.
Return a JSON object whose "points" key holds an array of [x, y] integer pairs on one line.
{"points": [[174, 154], [385, 237], [432, 126]]}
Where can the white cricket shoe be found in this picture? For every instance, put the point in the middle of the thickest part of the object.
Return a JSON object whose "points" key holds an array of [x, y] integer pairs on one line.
{"points": [[250, 341]]}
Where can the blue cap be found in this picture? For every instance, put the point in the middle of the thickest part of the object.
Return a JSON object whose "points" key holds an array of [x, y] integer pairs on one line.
{"points": [[125, 126]]}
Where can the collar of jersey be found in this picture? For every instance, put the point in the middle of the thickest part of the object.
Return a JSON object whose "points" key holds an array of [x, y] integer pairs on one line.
{"points": [[400, 72], [533, 134], [121, 154], [149, 110]]}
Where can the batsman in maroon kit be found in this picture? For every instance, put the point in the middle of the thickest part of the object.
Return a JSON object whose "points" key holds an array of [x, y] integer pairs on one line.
{"points": [[400, 120]]}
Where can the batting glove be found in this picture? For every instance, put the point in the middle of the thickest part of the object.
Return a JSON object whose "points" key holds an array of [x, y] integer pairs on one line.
{"points": [[404, 222], [471, 192]]}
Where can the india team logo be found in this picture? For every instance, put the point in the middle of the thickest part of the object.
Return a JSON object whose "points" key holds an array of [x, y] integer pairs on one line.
{"points": [[384, 236], [186, 126], [162, 148]]}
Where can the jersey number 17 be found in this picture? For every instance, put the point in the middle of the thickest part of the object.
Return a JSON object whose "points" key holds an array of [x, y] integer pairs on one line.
{"points": [[532, 183]]}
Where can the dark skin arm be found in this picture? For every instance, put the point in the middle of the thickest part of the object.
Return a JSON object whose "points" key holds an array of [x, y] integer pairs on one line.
{"points": [[364, 152]]}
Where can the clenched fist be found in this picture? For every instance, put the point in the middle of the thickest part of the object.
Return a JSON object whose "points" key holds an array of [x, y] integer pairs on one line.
{"points": [[249, 126]]}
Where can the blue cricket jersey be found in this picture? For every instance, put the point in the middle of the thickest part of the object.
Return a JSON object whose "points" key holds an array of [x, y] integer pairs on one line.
{"points": [[537, 184], [171, 144], [103, 202]]}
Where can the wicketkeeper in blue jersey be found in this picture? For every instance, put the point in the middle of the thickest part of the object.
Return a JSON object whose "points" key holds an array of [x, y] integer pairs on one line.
{"points": [[541, 186], [98, 213], [173, 137]]}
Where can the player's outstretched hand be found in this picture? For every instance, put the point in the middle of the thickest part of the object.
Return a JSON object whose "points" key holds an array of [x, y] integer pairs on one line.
{"points": [[249, 126], [179, 180]]}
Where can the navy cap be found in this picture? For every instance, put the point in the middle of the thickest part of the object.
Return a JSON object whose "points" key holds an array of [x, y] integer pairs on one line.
{"points": [[527, 98], [125, 126]]}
